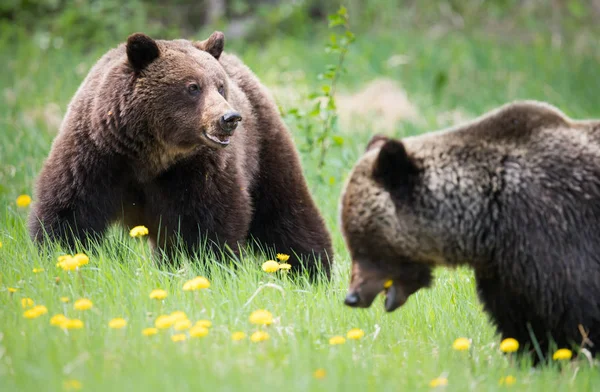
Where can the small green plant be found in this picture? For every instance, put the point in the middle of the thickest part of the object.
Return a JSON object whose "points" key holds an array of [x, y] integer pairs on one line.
{"points": [[318, 125]]}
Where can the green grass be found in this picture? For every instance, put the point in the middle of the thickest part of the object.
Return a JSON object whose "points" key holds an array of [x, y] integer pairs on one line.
{"points": [[400, 351]]}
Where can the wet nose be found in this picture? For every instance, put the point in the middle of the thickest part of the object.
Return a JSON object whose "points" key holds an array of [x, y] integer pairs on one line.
{"points": [[229, 121], [352, 299]]}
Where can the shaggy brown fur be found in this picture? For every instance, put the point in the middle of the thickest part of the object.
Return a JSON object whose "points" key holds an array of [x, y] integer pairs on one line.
{"points": [[514, 194], [149, 140]]}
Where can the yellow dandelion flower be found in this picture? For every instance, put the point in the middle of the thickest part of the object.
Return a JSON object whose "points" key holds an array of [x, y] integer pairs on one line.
{"points": [[12, 290], [35, 312], [83, 304], [203, 323], [37, 270], [270, 266], [388, 284], [285, 267], [71, 263], [64, 300], [237, 336], [64, 257], [319, 374], [158, 294], [81, 259], [149, 331], [180, 337], [58, 320], [41, 309], [461, 344], [259, 336], [283, 257], [509, 345], [438, 382], [182, 325], [26, 303], [164, 322], [198, 283], [261, 317], [355, 333], [72, 385], [72, 324], [508, 380], [337, 340], [0, 244], [179, 315], [562, 354], [138, 231], [23, 201], [198, 332], [117, 323]]}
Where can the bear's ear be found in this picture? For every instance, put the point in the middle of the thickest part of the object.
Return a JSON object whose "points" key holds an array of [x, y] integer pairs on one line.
{"points": [[394, 167], [213, 44], [376, 141], [141, 51]]}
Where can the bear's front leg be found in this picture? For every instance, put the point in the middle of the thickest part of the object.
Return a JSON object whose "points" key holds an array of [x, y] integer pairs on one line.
{"points": [[512, 315], [194, 210], [76, 199], [285, 215]]}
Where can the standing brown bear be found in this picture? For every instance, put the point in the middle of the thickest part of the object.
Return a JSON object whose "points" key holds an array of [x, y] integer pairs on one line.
{"points": [[182, 138], [514, 194]]}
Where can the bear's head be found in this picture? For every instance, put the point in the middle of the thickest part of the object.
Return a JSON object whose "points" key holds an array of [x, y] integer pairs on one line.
{"points": [[181, 93], [392, 248]]}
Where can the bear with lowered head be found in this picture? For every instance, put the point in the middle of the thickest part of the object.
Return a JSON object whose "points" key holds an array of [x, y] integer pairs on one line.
{"points": [[183, 139], [514, 194]]}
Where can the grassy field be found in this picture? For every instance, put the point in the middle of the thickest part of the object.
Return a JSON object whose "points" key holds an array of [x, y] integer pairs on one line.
{"points": [[445, 77]]}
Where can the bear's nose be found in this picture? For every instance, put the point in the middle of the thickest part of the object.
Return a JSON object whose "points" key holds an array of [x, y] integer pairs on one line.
{"points": [[229, 121], [352, 299]]}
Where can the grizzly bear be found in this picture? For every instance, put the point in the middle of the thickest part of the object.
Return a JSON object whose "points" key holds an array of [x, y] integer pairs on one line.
{"points": [[514, 195], [183, 139]]}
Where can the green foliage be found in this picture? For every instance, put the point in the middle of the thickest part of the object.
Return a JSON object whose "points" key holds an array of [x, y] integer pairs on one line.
{"points": [[98, 21], [319, 124], [87, 22]]}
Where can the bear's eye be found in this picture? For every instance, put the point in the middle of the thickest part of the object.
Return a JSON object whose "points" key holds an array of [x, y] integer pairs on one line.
{"points": [[222, 90], [193, 89]]}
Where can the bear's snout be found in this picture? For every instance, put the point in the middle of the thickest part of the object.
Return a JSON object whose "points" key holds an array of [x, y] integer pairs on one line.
{"points": [[352, 299], [229, 121]]}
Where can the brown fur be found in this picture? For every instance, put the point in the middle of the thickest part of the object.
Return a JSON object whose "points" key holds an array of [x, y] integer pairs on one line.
{"points": [[514, 194], [133, 149]]}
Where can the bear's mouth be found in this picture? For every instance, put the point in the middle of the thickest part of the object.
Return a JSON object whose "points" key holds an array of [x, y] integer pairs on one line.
{"points": [[394, 298], [220, 139]]}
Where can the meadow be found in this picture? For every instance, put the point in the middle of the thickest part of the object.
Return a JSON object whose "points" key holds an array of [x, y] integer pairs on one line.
{"points": [[445, 77]]}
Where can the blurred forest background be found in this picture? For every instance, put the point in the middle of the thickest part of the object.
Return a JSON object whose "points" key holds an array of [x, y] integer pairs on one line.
{"points": [[99, 21]]}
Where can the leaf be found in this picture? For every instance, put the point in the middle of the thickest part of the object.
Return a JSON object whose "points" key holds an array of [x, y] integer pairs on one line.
{"points": [[338, 140], [329, 75], [316, 110], [335, 20], [326, 88], [331, 105]]}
